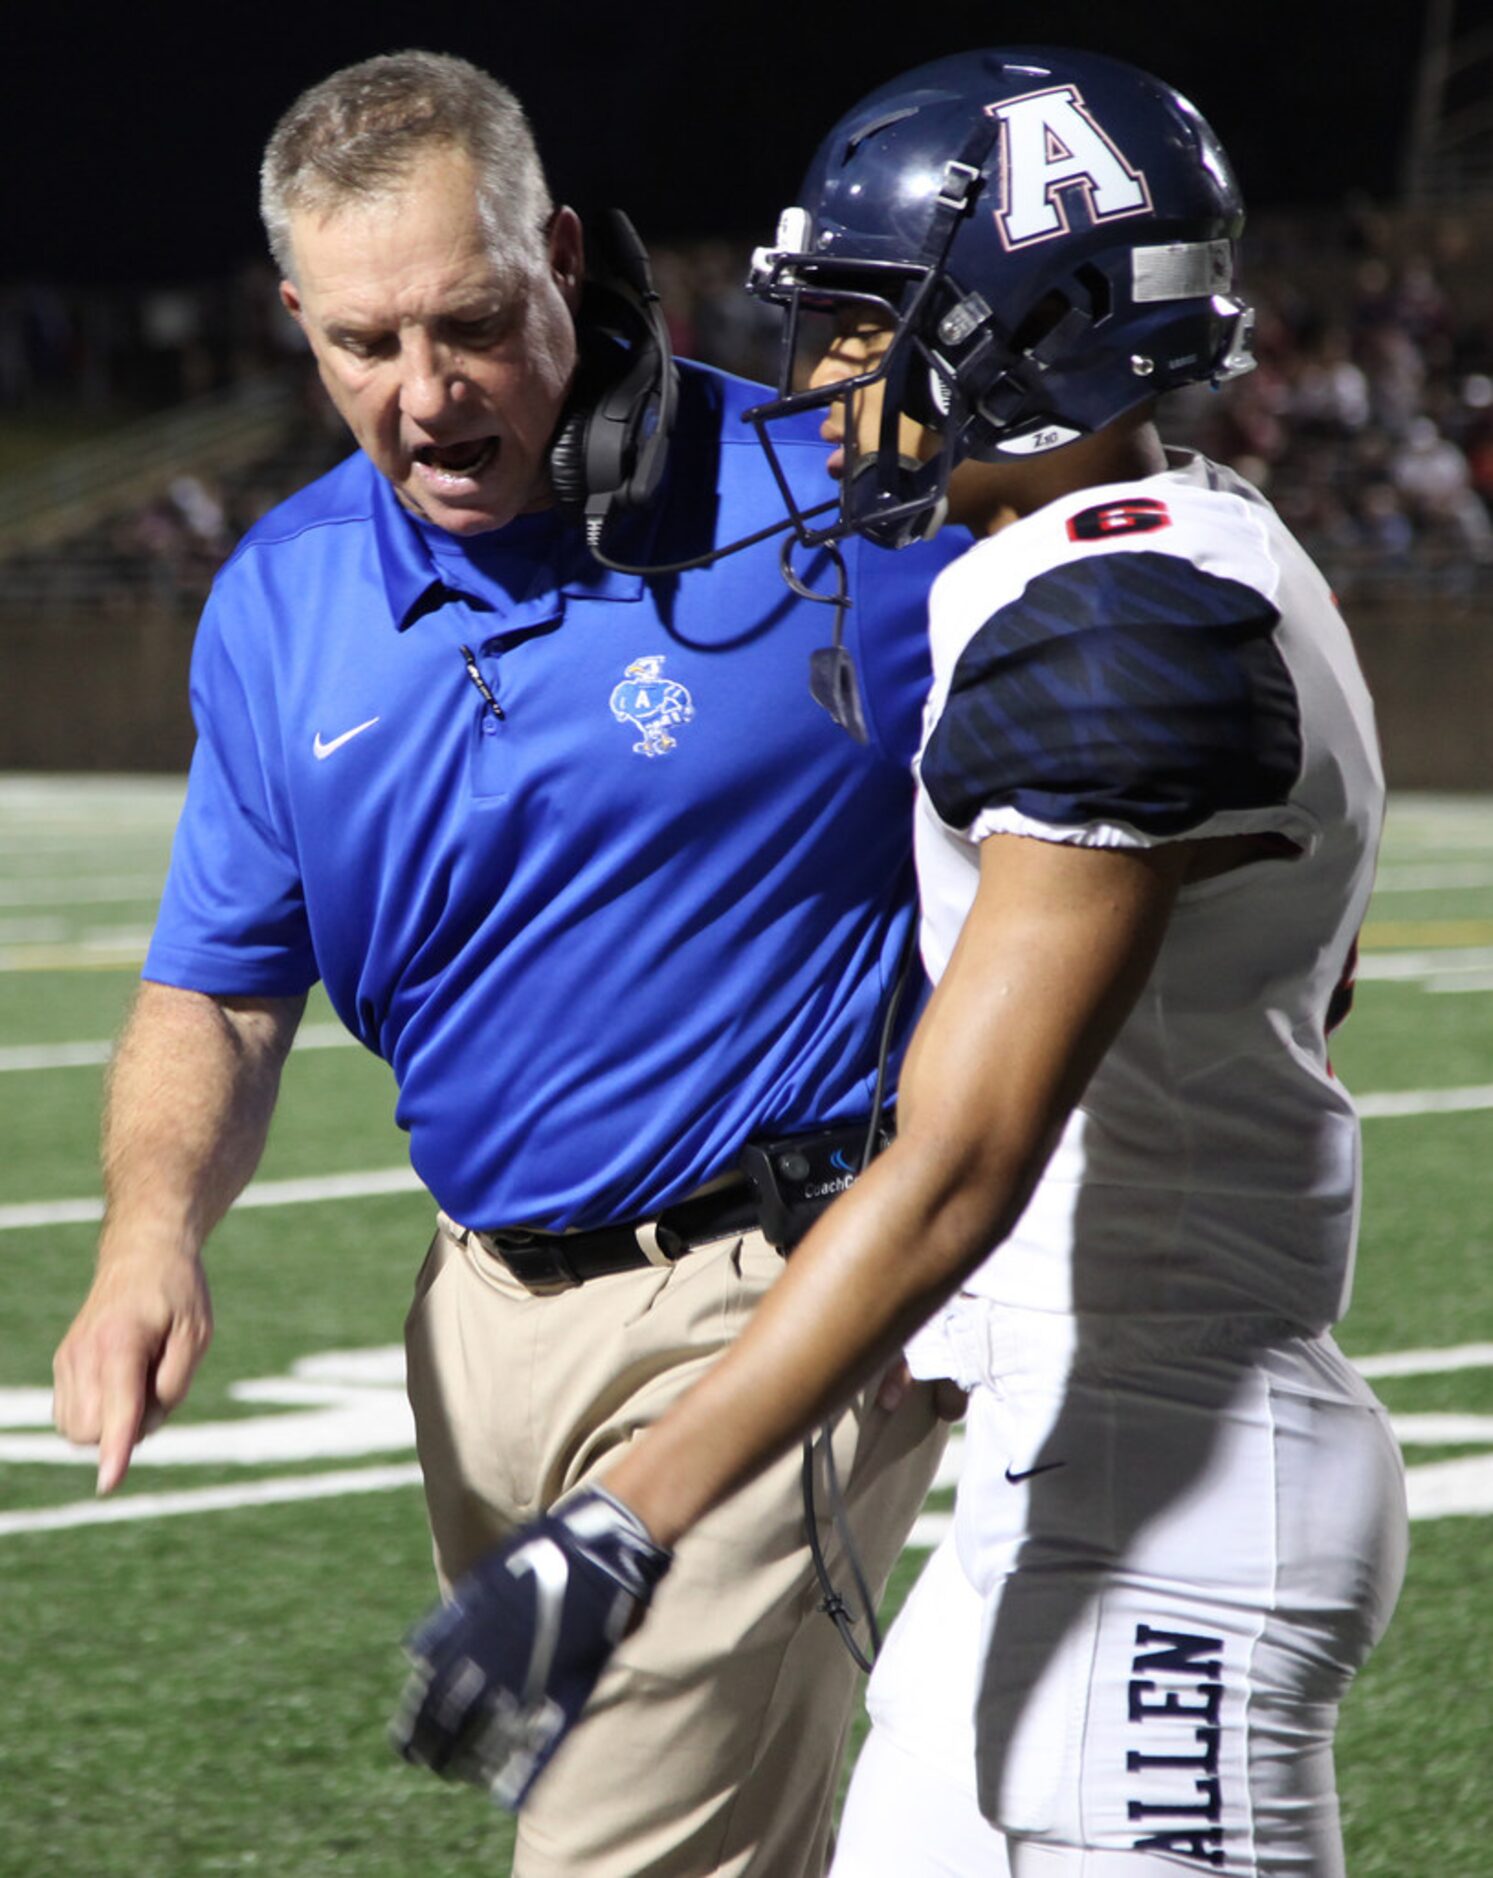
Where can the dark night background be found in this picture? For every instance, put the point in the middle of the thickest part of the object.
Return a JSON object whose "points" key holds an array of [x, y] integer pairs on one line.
{"points": [[132, 136], [136, 296]]}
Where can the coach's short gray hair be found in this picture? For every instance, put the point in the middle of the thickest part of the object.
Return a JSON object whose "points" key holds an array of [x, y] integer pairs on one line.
{"points": [[356, 135]]}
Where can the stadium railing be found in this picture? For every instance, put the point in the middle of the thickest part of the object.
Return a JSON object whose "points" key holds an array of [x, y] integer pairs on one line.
{"points": [[72, 491]]}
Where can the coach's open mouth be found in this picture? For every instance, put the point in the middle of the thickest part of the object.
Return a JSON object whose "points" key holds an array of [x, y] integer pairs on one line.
{"points": [[460, 461]]}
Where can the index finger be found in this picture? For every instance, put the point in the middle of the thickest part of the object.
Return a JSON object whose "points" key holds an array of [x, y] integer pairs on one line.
{"points": [[123, 1409]]}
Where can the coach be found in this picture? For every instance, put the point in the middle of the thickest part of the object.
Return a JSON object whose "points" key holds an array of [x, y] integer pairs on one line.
{"points": [[576, 853]]}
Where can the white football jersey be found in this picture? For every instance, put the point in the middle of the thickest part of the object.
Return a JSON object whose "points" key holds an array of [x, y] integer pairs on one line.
{"points": [[1149, 662]]}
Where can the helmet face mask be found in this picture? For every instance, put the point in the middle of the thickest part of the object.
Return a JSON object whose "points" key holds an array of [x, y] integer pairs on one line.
{"points": [[1050, 237], [885, 492]]}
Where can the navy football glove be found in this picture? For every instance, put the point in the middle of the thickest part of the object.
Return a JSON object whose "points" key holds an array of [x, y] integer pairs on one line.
{"points": [[502, 1671]]}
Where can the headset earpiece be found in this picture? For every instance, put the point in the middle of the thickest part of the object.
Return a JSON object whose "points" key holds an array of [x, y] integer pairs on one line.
{"points": [[567, 457], [609, 448]]}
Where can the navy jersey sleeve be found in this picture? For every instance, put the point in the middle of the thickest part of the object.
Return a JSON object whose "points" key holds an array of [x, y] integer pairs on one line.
{"points": [[1126, 688], [233, 916]]}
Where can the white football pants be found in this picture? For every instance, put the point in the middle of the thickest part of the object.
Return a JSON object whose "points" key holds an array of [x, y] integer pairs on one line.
{"points": [[1169, 1558]]}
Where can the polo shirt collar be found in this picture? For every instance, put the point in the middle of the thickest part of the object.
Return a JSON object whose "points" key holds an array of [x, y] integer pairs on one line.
{"points": [[411, 573]]}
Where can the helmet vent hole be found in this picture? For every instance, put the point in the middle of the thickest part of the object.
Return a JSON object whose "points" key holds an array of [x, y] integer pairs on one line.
{"points": [[877, 124], [1095, 284], [1040, 321]]}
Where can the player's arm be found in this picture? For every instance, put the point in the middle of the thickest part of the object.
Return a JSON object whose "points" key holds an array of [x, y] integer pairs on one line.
{"points": [[1055, 951], [1050, 961], [191, 1092]]}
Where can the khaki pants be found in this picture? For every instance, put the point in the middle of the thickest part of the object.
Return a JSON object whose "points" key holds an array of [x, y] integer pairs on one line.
{"points": [[714, 1741]]}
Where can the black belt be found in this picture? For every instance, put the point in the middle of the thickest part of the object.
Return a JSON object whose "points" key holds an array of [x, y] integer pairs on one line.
{"points": [[557, 1260]]}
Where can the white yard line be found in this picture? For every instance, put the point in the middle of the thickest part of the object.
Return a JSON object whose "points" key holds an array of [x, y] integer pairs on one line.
{"points": [[26, 1056], [1426, 1362], [90, 889], [278, 1490], [1432, 877], [1425, 964], [1416, 822], [117, 950], [1438, 1490], [46, 931], [373, 1183], [1424, 1102], [369, 1381]]}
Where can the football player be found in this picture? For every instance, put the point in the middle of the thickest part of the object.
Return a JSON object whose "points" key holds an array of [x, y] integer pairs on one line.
{"points": [[1121, 1205]]}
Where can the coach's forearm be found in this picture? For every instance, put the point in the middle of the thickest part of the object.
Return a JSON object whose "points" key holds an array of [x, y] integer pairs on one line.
{"points": [[190, 1096]]}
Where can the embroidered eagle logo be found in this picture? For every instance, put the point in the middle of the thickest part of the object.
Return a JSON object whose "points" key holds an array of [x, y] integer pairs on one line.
{"points": [[652, 704]]}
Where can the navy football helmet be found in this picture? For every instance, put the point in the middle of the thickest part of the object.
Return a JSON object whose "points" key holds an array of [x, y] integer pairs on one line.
{"points": [[1049, 236]]}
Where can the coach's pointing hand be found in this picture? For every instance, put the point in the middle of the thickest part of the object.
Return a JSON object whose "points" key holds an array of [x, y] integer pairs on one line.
{"points": [[191, 1091], [130, 1355]]}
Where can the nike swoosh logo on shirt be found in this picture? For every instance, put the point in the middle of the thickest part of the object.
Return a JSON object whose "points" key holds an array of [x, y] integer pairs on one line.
{"points": [[1043, 1467], [324, 750]]}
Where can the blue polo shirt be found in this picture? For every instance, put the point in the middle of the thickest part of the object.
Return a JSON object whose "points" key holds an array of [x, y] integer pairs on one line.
{"points": [[604, 937]]}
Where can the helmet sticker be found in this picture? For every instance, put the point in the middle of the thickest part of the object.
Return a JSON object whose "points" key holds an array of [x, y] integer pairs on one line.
{"points": [[1181, 270], [1049, 143], [1036, 442]]}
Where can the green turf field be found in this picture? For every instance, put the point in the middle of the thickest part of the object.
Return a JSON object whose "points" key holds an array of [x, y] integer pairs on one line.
{"points": [[201, 1686]]}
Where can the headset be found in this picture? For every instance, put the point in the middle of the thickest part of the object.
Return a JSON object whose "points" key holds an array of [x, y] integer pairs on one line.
{"points": [[609, 449]]}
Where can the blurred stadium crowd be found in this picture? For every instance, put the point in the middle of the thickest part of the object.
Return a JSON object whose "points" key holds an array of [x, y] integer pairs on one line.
{"points": [[1369, 421]]}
